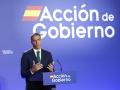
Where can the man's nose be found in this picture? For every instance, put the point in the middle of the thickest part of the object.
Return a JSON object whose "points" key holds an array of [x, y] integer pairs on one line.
{"points": [[37, 42]]}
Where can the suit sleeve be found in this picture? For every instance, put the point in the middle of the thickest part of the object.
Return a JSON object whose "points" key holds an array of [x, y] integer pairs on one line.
{"points": [[25, 67]]}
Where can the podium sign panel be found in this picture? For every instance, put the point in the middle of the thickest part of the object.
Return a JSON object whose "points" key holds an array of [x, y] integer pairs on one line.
{"points": [[53, 78]]}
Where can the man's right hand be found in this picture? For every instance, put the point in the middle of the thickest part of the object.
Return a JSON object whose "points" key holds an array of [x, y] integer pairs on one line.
{"points": [[36, 67]]}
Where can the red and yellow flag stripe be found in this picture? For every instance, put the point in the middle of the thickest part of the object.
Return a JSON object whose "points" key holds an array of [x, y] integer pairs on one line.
{"points": [[32, 13]]}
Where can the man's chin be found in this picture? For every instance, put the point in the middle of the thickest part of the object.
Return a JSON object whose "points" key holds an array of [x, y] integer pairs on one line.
{"points": [[36, 47]]}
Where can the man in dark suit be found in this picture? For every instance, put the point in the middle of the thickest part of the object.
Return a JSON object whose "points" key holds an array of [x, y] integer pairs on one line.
{"points": [[34, 62]]}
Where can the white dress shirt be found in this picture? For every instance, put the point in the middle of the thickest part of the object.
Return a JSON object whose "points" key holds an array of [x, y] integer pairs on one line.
{"points": [[35, 51]]}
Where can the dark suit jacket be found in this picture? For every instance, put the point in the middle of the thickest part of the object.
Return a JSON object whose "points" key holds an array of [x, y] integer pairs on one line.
{"points": [[27, 63]]}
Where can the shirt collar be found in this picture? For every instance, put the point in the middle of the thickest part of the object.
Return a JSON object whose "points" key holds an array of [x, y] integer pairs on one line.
{"points": [[35, 50]]}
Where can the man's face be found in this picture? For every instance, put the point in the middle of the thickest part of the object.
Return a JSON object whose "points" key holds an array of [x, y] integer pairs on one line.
{"points": [[36, 42]]}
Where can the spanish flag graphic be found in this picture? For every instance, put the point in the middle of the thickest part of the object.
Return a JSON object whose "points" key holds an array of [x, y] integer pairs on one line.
{"points": [[51, 76], [32, 13]]}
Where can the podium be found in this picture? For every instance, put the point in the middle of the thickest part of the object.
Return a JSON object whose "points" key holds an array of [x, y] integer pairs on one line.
{"points": [[54, 78]]}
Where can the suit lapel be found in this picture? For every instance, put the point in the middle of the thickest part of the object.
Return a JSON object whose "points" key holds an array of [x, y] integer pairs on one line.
{"points": [[42, 56], [33, 54]]}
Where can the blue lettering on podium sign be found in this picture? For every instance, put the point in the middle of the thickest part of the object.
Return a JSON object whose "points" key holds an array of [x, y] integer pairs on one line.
{"points": [[53, 78]]}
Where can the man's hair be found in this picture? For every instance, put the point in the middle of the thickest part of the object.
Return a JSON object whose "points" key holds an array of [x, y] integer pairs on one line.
{"points": [[35, 34]]}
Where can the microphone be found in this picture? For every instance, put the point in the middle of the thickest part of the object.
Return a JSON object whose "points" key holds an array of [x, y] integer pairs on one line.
{"points": [[59, 65]]}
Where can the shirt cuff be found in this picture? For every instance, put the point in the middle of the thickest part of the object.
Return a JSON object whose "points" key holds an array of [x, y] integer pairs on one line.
{"points": [[31, 72]]}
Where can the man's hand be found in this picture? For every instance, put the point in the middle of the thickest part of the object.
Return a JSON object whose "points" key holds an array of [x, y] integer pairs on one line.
{"points": [[36, 67], [51, 67]]}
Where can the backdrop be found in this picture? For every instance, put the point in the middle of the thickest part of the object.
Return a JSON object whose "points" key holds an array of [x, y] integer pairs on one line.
{"points": [[83, 35]]}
